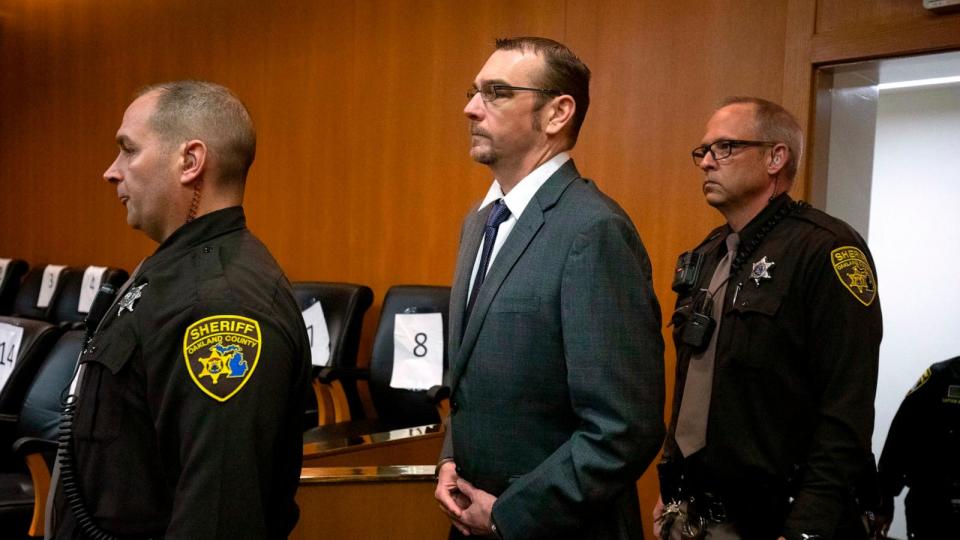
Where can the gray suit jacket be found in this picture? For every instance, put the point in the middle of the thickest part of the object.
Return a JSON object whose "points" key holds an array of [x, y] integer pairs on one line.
{"points": [[557, 378]]}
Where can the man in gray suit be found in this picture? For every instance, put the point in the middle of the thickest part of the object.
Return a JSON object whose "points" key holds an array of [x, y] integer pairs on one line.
{"points": [[556, 356]]}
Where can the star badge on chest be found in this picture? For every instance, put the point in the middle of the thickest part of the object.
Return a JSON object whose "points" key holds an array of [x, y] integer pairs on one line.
{"points": [[133, 294], [761, 270]]}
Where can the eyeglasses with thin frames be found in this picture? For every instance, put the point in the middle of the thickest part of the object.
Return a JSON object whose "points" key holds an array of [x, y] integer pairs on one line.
{"points": [[723, 148], [493, 92]]}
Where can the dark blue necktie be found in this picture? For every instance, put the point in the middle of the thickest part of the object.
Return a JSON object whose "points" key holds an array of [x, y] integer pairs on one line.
{"points": [[498, 215]]}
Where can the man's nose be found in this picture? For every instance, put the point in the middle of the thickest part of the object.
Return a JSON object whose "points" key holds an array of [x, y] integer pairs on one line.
{"points": [[112, 174], [474, 108]]}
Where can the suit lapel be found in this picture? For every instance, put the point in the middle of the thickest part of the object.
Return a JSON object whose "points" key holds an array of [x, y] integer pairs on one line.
{"points": [[523, 233], [470, 240]]}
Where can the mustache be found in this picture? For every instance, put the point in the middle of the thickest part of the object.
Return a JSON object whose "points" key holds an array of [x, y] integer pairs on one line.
{"points": [[474, 130]]}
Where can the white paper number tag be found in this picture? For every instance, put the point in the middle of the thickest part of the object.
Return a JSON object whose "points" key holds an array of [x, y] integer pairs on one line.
{"points": [[318, 334], [4, 263], [51, 275], [10, 338], [417, 351], [90, 286]]}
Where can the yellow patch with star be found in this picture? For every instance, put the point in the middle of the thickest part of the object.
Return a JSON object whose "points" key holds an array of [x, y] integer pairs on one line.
{"points": [[855, 273], [221, 353]]}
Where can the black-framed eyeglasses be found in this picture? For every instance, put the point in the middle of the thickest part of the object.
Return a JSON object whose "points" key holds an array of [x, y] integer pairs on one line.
{"points": [[723, 148], [491, 92]]}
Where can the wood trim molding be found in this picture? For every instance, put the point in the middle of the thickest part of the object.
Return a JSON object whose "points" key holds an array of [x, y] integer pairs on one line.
{"points": [[912, 36], [797, 78]]}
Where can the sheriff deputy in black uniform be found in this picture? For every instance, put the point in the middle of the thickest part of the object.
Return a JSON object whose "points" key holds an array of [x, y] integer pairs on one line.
{"points": [[777, 328], [923, 452], [184, 421]]}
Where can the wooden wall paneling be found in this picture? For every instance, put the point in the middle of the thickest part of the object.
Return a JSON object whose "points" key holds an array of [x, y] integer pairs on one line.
{"points": [[659, 69]]}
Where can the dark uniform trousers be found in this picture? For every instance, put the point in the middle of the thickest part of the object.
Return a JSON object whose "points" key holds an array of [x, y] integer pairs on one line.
{"points": [[177, 437]]}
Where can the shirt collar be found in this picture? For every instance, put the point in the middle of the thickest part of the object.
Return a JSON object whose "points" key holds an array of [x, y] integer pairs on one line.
{"points": [[194, 233], [521, 194]]}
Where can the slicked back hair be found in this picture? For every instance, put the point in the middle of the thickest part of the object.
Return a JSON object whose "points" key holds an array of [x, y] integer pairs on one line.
{"points": [[563, 72], [187, 110], [774, 123]]}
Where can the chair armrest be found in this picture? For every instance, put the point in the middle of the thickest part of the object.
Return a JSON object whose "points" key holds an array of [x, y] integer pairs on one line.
{"points": [[440, 397], [67, 326], [25, 446], [438, 393], [330, 374], [8, 434], [38, 454]]}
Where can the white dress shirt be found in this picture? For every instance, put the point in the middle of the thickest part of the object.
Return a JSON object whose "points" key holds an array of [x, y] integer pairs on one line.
{"points": [[517, 200]]}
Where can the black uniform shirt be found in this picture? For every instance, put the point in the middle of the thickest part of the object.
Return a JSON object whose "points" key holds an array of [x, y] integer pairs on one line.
{"points": [[791, 411], [923, 446], [191, 398]]}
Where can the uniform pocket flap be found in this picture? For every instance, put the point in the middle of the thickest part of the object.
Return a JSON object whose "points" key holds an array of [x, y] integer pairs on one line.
{"points": [[113, 353], [758, 300]]}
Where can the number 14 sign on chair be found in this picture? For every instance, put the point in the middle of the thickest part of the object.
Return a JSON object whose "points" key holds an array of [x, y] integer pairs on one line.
{"points": [[10, 338]]}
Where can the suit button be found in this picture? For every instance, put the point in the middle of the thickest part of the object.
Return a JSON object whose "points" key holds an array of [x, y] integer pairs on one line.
{"points": [[454, 407], [459, 470]]}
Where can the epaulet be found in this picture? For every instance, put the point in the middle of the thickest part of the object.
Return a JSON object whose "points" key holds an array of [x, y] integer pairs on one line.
{"points": [[944, 365], [817, 217], [714, 234], [826, 222]]}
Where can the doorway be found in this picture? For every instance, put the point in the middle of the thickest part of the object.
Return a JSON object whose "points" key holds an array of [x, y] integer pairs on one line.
{"points": [[885, 138]]}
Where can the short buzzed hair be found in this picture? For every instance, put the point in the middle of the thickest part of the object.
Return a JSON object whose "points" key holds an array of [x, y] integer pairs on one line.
{"points": [[563, 72], [209, 112], [776, 124]]}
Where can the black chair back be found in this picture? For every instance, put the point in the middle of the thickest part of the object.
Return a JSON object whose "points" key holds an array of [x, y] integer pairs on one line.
{"points": [[25, 304], [66, 306], [344, 305], [38, 339], [10, 284], [408, 407], [40, 416]]}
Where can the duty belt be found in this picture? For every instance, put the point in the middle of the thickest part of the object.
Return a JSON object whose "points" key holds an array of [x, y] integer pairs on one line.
{"points": [[708, 506]]}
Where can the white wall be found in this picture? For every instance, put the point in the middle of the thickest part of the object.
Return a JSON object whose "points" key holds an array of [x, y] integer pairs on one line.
{"points": [[915, 240]]}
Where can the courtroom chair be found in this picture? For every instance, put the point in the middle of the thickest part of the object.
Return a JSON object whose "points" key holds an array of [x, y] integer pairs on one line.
{"points": [[38, 338], [23, 491], [25, 305], [404, 407], [10, 284], [395, 408], [344, 305], [66, 308]]}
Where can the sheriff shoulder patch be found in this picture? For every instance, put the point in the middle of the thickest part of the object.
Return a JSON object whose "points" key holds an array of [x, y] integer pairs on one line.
{"points": [[855, 273], [221, 353]]}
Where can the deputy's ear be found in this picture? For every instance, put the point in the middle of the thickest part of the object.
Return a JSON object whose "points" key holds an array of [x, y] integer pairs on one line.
{"points": [[193, 161], [559, 114], [778, 158]]}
